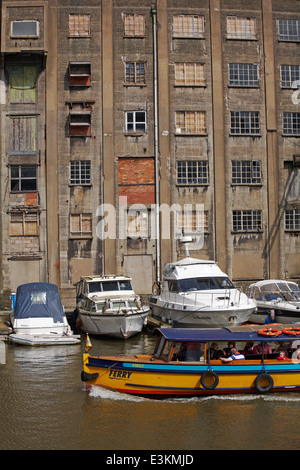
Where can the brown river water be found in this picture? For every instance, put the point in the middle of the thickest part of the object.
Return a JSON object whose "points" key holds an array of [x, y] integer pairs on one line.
{"points": [[45, 406]]}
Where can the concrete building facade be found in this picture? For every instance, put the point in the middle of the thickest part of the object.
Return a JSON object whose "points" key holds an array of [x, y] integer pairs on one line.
{"points": [[126, 125]]}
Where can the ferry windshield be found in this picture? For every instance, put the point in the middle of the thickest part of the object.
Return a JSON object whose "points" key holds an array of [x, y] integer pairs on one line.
{"points": [[200, 283]]}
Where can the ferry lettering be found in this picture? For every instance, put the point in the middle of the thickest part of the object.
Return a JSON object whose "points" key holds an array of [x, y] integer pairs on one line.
{"points": [[180, 459], [115, 460], [119, 374]]}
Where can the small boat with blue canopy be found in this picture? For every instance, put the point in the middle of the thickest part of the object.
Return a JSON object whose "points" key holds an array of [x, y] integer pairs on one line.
{"points": [[184, 363], [39, 318]]}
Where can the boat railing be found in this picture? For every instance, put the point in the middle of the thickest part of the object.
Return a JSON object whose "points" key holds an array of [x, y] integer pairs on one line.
{"points": [[226, 298]]}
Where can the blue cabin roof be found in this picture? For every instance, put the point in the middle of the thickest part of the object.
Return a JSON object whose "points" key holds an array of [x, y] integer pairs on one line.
{"points": [[242, 333]]}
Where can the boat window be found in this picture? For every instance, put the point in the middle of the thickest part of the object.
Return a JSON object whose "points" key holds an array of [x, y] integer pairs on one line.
{"points": [[187, 285], [38, 298], [159, 346], [132, 304], [165, 354], [173, 286], [295, 289], [125, 285], [119, 305], [94, 287], [100, 306], [110, 285]]}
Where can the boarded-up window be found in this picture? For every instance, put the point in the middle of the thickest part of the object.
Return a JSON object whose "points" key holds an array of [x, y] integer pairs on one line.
{"points": [[79, 74], [189, 222], [241, 28], [23, 135], [190, 122], [134, 25], [189, 74], [81, 225], [23, 83], [188, 26], [80, 124], [137, 224], [24, 224], [79, 25]]}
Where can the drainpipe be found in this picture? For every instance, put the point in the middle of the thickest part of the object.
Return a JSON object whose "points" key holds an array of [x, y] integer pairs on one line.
{"points": [[157, 227]]}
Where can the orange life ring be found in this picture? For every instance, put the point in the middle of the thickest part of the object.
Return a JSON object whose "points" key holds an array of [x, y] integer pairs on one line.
{"points": [[269, 332], [292, 330]]}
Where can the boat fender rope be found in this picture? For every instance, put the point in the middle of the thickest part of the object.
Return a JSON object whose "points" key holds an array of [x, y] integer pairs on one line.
{"points": [[205, 375], [266, 388], [269, 332]]}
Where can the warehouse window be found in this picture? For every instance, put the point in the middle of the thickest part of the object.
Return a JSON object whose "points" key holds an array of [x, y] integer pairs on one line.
{"points": [[288, 75], [80, 172], [189, 74], [135, 73], [244, 172], [190, 122], [188, 26], [191, 222], [291, 123], [23, 135], [135, 121], [292, 219], [289, 30], [81, 225], [243, 75], [137, 224], [23, 178], [244, 123], [80, 124], [23, 83], [247, 221], [134, 25], [79, 25], [241, 28], [192, 172], [23, 224], [79, 74], [24, 29]]}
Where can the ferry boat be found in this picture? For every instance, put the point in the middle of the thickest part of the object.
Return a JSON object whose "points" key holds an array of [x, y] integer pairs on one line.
{"points": [[108, 306], [165, 373], [196, 293], [277, 300], [38, 317]]}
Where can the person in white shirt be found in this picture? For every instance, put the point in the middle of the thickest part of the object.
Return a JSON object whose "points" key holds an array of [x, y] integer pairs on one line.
{"points": [[235, 355]]}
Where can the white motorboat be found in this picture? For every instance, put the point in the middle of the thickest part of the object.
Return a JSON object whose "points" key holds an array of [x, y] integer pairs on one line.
{"points": [[196, 293], [108, 306], [39, 318], [277, 301]]}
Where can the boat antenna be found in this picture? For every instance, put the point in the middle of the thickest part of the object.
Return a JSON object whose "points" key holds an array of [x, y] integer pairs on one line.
{"points": [[186, 241]]}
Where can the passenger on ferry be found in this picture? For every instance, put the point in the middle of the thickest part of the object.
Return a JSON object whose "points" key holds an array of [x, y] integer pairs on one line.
{"points": [[262, 348], [189, 352], [282, 355], [235, 355], [248, 348], [227, 350], [214, 352]]}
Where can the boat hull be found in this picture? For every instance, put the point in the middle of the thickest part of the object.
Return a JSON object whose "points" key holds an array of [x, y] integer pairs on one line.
{"points": [[120, 326], [282, 313], [44, 339], [155, 379], [201, 318]]}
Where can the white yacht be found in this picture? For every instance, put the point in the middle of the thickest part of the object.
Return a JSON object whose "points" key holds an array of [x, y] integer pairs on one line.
{"points": [[38, 317], [107, 305], [196, 293], [277, 300]]}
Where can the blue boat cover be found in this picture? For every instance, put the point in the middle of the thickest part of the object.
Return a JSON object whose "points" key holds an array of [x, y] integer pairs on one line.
{"points": [[38, 299], [222, 334]]}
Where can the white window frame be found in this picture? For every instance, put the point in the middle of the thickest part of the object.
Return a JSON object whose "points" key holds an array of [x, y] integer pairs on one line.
{"points": [[192, 173], [24, 36], [285, 32], [291, 124], [292, 220], [134, 125], [243, 75], [247, 221]]}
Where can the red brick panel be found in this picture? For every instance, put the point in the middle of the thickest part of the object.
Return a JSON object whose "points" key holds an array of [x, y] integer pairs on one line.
{"points": [[137, 179]]}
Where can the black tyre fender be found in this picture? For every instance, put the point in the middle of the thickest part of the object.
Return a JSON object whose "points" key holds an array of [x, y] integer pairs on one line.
{"points": [[266, 388], [214, 384]]}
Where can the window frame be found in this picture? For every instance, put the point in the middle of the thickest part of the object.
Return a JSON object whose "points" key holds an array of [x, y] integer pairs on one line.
{"points": [[81, 233], [139, 78], [287, 124], [290, 72], [195, 30], [20, 179], [246, 33], [243, 172], [84, 173], [25, 36], [137, 29], [182, 77], [292, 218], [245, 120], [200, 166], [288, 23], [134, 123], [82, 30], [16, 142], [241, 218], [189, 127], [243, 70], [24, 218]]}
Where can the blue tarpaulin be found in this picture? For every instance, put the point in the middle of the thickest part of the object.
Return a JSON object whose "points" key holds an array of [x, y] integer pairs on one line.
{"points": [[39, 299]]}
